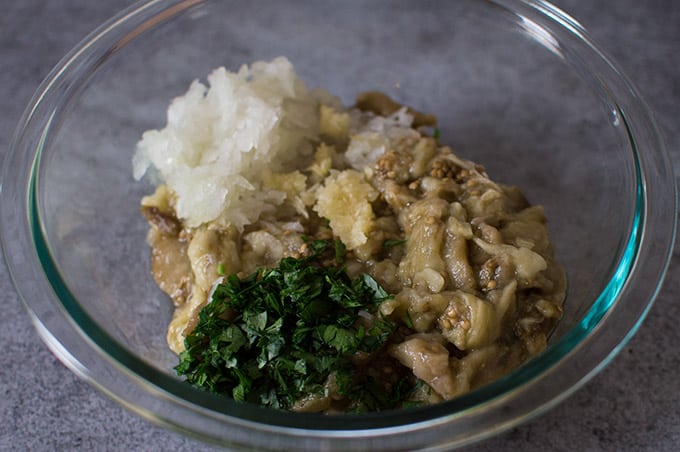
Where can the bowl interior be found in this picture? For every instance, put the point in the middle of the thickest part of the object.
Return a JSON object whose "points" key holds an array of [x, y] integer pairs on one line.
{"points": [[503, 106]]}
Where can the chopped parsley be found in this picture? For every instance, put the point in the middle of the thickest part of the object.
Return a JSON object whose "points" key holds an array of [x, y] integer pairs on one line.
{"points": [[277, 335], [393, 242], [408, 321]]}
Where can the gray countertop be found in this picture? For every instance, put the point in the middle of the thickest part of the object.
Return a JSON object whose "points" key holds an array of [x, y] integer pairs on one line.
{"points": [[634, 404]]}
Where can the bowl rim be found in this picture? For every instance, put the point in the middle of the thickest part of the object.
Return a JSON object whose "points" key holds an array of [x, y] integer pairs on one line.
{"points": [[73, 336]]}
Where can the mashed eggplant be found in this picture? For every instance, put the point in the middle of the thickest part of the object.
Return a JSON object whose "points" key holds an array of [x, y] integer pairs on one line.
{"points": [[254, 168]]}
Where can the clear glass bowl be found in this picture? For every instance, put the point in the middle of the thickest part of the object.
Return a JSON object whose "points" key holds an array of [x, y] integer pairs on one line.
{"points": [[517, 86]]}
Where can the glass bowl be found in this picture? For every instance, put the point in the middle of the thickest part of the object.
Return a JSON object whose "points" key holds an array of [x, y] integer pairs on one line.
{"points": [[516, 85]]}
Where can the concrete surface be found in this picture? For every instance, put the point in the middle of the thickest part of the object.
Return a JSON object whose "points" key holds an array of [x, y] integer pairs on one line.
{"points": [[633, 405]]}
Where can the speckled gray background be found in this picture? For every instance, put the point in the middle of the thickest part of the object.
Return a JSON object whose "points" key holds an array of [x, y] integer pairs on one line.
{"points": [[634, 404]]}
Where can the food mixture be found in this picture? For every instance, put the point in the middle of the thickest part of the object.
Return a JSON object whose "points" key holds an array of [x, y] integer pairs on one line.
{"points": [[324, 259]]}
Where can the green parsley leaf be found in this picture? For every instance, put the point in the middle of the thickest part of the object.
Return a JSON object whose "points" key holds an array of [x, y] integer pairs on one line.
{"points": [[379, 294], [288, 329], [339, 252], [393, 242], [408, 321]]}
